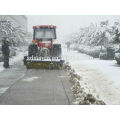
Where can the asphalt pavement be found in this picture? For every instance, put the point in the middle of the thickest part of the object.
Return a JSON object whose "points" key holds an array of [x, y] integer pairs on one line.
{"points": [[19, 86]]}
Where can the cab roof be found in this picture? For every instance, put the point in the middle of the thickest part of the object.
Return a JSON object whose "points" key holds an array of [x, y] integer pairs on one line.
{"points": [[44, 26]]}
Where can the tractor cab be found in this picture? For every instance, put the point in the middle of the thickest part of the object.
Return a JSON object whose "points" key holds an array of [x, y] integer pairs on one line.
{"points": [[43, 52], [44, 35]]}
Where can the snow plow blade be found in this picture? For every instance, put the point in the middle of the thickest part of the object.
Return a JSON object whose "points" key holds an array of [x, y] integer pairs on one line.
{"points": [[43, 63]]}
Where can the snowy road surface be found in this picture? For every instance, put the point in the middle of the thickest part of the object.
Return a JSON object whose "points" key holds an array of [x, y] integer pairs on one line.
{"points": [[101, 77]]}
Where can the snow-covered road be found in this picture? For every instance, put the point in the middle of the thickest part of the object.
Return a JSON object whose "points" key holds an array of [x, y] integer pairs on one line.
{"points": [[101, 77]]}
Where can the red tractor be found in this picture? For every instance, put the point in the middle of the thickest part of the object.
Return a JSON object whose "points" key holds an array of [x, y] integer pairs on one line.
{"points": [[44, 52]]}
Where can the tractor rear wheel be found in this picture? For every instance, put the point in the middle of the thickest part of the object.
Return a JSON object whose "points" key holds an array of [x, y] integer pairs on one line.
{"points": [[57, 50]]}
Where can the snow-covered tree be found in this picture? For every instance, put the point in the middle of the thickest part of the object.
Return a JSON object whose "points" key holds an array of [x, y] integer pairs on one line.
{"points": [[97, 38], [12, 31]]}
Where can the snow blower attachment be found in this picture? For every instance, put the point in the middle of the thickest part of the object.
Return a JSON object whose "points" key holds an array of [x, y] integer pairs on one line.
{"points": [[43, 52]]}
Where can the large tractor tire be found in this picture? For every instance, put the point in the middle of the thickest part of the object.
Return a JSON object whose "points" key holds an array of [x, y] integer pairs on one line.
{"points": [[57, 51], [32, 50]]}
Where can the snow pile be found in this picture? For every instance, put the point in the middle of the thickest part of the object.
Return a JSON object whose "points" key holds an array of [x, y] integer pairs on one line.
{"points": [[100, 77], [92, 51], [79, 93]]}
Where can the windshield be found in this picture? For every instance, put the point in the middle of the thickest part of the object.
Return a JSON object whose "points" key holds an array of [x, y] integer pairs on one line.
{"points": [[45, 33]]}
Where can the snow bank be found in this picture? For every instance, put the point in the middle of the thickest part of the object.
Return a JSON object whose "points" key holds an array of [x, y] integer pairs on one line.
{"points": [[99, 77], [92, 51], [80, 95]]}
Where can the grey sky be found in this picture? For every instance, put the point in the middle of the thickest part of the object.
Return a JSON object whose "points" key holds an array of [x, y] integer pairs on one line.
{"points": [[67, 23]]}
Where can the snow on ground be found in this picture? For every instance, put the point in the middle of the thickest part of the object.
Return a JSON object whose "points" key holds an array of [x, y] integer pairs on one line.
{"points": [[101, 77], [19, 56], [1, 66]]}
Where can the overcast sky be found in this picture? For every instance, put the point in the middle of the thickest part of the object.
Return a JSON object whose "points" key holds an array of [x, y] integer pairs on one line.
{"points": [[67, 23]]}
